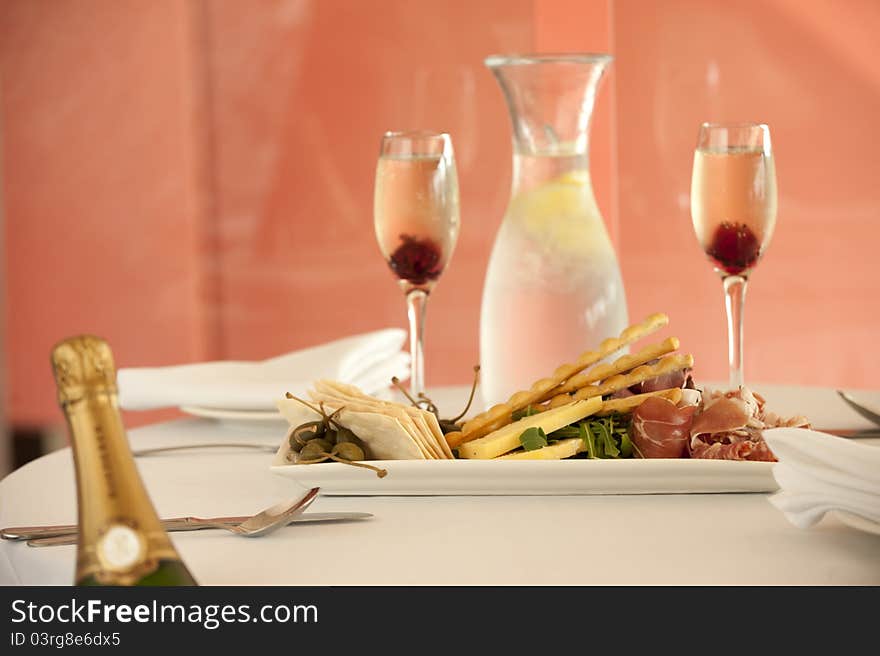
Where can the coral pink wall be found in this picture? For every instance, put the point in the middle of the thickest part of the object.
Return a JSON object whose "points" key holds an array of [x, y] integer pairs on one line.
{"points": [[194, 179], [100, 185], [298, 118], [810, 71]]}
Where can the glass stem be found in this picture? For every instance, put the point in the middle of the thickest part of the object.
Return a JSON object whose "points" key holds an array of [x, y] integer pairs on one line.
{"points": [[416, 302], [734, 300]]}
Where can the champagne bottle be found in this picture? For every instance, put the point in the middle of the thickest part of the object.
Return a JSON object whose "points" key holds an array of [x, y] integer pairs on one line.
{"points": [[121, 540]]}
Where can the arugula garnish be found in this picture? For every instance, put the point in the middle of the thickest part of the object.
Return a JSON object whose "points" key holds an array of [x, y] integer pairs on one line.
{"points": [[587, 436], [603, 437], [564, 433], [626, 445], [533, 438], [528, 411], [606, 437]]}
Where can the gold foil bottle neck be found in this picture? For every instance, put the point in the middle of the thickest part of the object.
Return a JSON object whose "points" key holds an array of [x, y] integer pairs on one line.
{"points": [[83, 367]]}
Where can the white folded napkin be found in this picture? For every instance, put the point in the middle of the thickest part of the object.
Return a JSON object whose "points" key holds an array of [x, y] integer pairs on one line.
{"points": [[368, 361], [819, 473]]}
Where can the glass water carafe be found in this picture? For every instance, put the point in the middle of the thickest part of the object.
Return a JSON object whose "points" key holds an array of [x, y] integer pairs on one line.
{"points": [[553, 288]]}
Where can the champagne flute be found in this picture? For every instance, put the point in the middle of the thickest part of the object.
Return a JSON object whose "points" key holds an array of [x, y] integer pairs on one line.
{"points": [[416, 218], [733, 207]]}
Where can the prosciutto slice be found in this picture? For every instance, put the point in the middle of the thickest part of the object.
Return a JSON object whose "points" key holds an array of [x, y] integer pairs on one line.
{"points": [[660, 429], [681, 378], [733, 446], [664, 381], [724, 415], [730, 427]]}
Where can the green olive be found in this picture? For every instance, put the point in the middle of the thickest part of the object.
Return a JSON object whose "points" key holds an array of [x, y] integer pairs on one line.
{"points": [[349, 451]]}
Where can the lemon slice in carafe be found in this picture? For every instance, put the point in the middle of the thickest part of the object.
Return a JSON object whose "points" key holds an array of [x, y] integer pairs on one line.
{"points": [[561, 216]]}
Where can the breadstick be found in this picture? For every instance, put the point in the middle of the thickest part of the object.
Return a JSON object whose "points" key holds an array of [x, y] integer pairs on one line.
{"points": [[454, 438], [487, 421], [638, 375], [621, 405], [629, 403], [620, 365]]}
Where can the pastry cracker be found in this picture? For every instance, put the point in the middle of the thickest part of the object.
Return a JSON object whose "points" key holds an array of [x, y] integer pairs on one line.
{"points": [[437, 432], [336, 395], [384, 436], [424, 420], [427, 437], [416, 421]]}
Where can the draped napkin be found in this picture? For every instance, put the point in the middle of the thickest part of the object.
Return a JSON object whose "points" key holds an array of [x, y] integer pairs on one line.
{"points": [[818, 473], [368, 361]]}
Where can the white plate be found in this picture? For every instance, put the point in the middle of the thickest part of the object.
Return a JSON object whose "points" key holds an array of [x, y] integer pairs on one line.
{"points": [[247, 416], [857, 521], [478, 477], [234, 415]]}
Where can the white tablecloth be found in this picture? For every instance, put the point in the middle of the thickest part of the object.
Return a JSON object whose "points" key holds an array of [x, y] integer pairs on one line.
{"points": [[690, 539]]}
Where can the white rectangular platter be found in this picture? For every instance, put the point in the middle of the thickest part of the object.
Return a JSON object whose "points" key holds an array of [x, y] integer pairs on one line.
{"points": [[497, 477]]}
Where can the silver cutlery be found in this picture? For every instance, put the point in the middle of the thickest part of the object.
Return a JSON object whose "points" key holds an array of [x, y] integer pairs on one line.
{"points": [[852, 433], [270, 448], [271, 518], [40, 536], [867, 413], [266, 521]]}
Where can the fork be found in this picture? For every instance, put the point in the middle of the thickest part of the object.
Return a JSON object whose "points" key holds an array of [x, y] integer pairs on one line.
{"points": [[868, 414], [211, 445], [270, 519]]}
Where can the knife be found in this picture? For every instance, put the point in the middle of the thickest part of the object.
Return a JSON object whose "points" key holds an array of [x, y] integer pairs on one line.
{"points": [[851, 433], [173, 524]]}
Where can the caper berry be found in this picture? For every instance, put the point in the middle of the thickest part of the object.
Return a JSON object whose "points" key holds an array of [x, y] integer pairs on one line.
{"points": [[344, 435], [305, 432], [313, 450], [322, 443], [327, 428], [306, 435], [349, 451], [293, 442]]}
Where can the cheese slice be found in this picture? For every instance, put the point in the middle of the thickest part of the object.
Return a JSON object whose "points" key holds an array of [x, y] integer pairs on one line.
{"points": [[562, 449], [506, 438]]}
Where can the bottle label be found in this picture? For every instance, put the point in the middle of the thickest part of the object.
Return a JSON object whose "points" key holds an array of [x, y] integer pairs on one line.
{"points": [[120, 548], [123, 554]]}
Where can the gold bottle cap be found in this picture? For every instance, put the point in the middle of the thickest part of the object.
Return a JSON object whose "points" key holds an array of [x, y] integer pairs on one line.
{"points": [[83, 367]]}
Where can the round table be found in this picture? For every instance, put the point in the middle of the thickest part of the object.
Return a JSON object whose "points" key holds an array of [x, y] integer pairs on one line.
{"points": [[675, 539]]}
